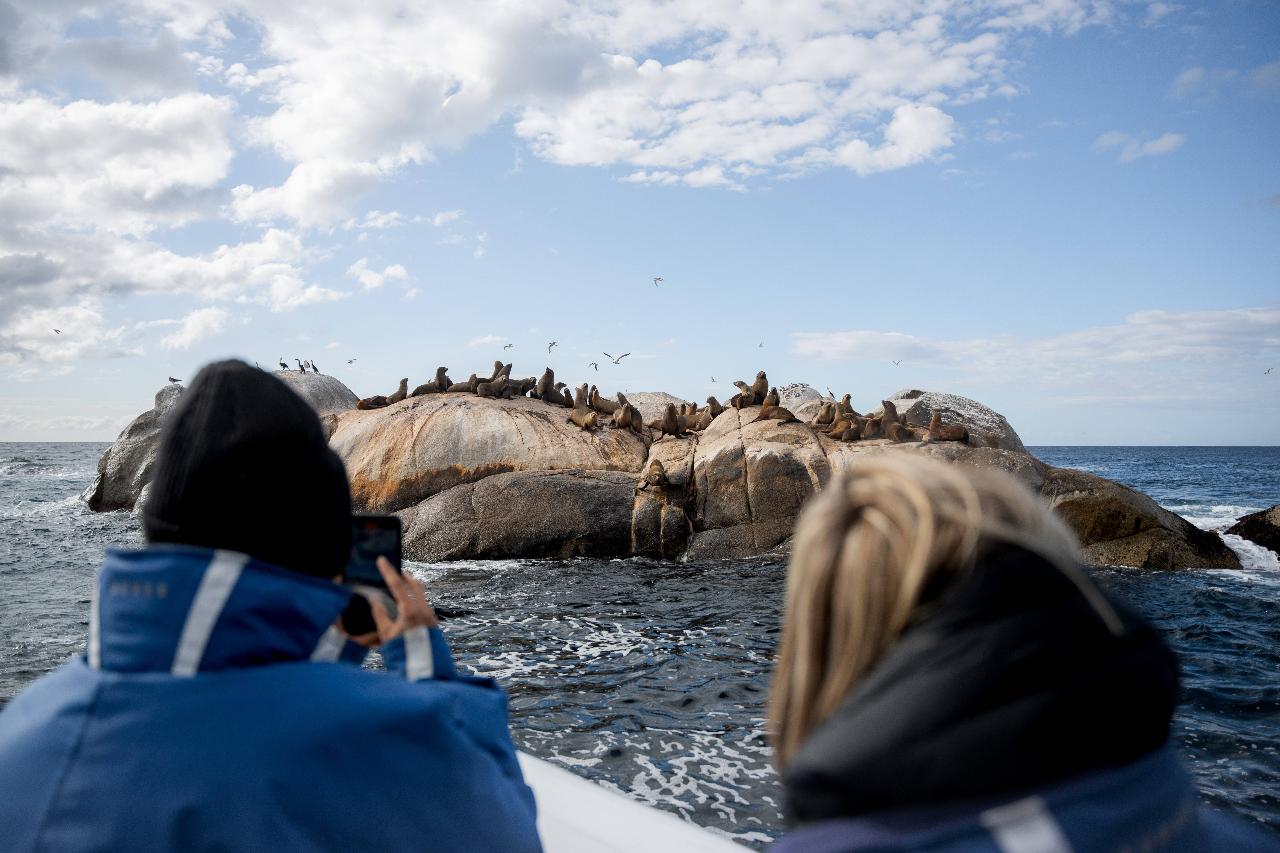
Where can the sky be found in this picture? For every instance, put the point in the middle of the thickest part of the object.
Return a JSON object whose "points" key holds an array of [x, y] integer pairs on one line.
{"points": [[1067, 210]]}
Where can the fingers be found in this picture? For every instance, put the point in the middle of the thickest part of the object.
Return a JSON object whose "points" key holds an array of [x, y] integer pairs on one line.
{"points": [[395, 582], [382, 619], [421, 609]]}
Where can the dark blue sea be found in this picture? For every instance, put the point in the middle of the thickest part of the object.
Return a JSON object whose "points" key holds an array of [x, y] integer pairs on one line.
{"points": [[650, 677]]}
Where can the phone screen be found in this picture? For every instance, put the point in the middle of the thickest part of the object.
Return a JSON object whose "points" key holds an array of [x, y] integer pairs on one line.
{"points": [[372, 536]]}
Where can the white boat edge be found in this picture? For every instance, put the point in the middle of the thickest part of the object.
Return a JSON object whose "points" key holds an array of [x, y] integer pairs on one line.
{"points": [[576, 815]]}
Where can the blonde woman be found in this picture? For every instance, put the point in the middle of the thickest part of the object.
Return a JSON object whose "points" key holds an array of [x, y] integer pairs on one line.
{"points": [[950, 679]]}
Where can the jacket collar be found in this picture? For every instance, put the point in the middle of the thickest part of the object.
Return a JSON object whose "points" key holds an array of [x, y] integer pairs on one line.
{"points": [[183, 610]]}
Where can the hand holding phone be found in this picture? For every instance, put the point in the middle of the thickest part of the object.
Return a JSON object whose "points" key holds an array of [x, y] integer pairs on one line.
{"points": [[373, 538], [413, 609]]}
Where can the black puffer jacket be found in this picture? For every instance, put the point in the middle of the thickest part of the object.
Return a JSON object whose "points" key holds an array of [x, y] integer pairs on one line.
{"points": [[1009, 682]]}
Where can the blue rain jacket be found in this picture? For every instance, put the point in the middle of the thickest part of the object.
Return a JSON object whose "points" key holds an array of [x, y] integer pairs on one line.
{"points": [[217, 709], [1149, 805]]}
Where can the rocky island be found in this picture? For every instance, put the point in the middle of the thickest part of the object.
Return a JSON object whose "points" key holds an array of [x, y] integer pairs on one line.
{"points": [[476, 476]]}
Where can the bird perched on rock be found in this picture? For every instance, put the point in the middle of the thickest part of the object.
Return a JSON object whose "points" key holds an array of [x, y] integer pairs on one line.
{"points": [[175, 381], [617, 360], [301, 369], [283, 365], [552, 344], [314, 368]]}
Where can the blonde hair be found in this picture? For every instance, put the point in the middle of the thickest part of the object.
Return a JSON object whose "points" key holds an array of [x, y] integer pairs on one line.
{"points": [[864, 551]]}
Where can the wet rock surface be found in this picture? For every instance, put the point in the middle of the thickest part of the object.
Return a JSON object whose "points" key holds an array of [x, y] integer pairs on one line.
{"points": [[1261, 528]]}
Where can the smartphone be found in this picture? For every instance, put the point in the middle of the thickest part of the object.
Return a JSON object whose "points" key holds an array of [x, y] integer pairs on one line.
{"points": [[372, 536]]}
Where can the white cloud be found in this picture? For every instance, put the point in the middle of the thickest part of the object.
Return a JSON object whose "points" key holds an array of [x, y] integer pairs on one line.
{"points": [[371, 279], [1131, 147], [125, 167], [317, 193], [196, 326], [29, 342], [444, 217], [1152, 352]]}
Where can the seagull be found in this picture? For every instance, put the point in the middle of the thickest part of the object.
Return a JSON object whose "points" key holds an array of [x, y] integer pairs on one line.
{"points": [[1267, 371], [713, 379], [896, 363], [508, 346], [593, 365], [657, 279], [617, 360], [57, 331], [171, 379], [550, 345], [351, 361], [283, 366]]}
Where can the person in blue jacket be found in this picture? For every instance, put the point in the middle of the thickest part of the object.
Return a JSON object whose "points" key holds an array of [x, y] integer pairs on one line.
{"points": [[220, 704], [949, 679]]}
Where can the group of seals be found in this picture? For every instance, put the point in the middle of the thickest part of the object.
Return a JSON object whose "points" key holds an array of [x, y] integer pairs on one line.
{"points": [[378, 401], [588, 410], [840, 422]]}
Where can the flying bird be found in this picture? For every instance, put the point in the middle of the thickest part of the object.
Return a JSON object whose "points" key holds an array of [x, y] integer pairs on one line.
{"points": [[617, 360], [593, 365], [171, 379], [713, 379], [1268, 370], [351, 361], [57, 331], [896, 363], [761, 346], [657, 279], [508, 346], [550, 345], [283, 366]]}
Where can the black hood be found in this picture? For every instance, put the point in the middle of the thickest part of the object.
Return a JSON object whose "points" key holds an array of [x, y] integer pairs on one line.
{"points": [[1011, 681], [243, 465]]}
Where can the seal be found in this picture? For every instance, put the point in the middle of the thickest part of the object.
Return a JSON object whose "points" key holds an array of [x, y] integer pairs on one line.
{"points": [[771, 399], [655, 477], [845, 406], [759, 388], [826, 416], [375, 402], [776, 413], [669, 423], [703, 420], [522, 387], [601, 405], [871, 428], [938, 431], [497, 370], [545, 384], [400, 392], [892, 426], [496, 388], [566, 396], [469, 385], [584, 418], [713, 406]]}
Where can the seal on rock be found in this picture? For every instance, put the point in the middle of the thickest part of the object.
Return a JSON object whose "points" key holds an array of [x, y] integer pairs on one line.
{"points": [[892, 426], [495, 388], [377, 401], [469, 385], [655, 477], [669, 423], [400, 393], [545, 384], [759, 389], [436, 386], [713, 406], [601, 405], [938, 431]]}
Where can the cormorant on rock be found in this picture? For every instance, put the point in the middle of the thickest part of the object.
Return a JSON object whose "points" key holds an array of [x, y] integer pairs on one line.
{"points": [[301, 368], [283, 365], [314, 368], [175, 381]]}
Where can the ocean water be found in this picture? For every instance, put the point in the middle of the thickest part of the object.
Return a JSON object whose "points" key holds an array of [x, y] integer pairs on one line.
{"points": [[650, 677]]}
